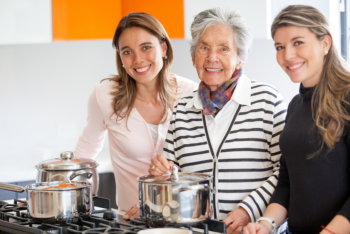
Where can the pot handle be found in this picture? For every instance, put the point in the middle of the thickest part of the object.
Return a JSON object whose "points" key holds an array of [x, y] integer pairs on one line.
{"points": [[174, 173], [12, 187], [171, 210], [79, 173]]}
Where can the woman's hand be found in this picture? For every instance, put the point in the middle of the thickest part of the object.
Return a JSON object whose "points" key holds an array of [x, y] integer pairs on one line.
{"points": [[255, 228], [236, 220], [133, 212], [159, 165]]}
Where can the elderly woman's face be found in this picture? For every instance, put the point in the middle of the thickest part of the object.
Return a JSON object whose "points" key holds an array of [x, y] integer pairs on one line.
{"points": [[216, 56]]}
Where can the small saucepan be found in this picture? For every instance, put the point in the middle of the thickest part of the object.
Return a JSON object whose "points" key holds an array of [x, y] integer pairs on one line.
{"points": [[56, 201]]}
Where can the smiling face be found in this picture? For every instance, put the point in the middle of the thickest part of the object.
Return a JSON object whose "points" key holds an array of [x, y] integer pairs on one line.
{"points": [[141, 54], [301, 54], [215, 57]]}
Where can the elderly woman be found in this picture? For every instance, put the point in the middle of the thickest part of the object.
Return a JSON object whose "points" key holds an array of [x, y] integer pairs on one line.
{"points": [[230, 127]]}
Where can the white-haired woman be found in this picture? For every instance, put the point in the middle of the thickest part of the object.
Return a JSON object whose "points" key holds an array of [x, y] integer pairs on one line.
{"points": [[230, 127]]}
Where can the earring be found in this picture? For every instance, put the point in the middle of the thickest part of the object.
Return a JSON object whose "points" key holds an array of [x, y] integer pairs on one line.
{"points": [[165, 57], [326, 52], [122, 65]]}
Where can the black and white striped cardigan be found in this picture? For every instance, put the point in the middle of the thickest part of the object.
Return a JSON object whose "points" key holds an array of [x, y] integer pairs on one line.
{"points": [[245, 167]]}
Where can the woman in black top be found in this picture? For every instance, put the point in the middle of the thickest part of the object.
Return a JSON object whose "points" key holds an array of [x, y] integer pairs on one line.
{"points": [[313, 191]]}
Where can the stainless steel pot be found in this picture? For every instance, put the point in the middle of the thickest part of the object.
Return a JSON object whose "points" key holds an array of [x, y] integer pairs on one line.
{"points": [[175, 198], [55, 201], [68, 168]]}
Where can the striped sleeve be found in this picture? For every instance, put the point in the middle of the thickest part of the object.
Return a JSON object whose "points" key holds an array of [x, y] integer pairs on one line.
{"points": [[168, 150], [256, 202], [170, 141], [186, 143]]}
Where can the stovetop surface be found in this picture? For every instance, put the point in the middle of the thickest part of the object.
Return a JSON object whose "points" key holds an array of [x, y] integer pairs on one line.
{"points": [[14, 219]]}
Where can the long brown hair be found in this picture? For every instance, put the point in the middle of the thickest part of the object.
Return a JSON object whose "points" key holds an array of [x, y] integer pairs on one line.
{"points": [[330, 99], [124, 96]]}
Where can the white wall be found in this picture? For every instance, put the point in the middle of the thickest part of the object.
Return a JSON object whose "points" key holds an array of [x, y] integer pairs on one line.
{"points": [[45, 87], [43, 98], [25, 21]]}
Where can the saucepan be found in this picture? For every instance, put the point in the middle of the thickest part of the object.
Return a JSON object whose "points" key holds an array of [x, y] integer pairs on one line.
{"points": [[176, 198], [56, 201]]}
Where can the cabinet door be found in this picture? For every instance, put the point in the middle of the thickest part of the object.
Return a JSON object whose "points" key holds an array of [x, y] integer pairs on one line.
{"points": [[107, 188]]}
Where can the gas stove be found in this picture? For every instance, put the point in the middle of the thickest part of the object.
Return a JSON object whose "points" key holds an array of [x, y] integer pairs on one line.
{"points": [[14, 219]]}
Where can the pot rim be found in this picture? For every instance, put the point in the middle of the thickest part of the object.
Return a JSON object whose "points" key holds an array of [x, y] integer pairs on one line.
{"points": [[56, 186], [188, 178]]}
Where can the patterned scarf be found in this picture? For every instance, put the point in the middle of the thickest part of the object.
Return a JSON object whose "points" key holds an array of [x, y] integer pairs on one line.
{"points": [[213, 101]]}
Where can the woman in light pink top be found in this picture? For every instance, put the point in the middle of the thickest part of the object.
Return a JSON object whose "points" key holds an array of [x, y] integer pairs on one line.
{"points": [[134, 107]]}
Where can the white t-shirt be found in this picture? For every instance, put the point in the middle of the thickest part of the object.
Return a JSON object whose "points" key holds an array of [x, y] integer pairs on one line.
{"points": [[154, 131]]}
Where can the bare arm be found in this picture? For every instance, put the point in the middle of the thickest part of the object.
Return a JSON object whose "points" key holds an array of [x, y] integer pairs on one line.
{"points": [[339, 225]]}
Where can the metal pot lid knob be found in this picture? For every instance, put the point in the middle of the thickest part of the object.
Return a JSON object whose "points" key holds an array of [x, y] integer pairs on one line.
{"points": [[67, 155]]}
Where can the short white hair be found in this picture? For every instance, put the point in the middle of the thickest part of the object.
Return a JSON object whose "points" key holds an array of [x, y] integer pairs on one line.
{"points": [[229, 17]]}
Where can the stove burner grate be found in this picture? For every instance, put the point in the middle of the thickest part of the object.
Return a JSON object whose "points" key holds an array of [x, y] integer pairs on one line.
{"points": [[14, 219]]}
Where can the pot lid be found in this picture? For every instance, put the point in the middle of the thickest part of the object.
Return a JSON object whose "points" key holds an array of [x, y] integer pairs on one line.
{"points": [[175, 177], [67, 162]]}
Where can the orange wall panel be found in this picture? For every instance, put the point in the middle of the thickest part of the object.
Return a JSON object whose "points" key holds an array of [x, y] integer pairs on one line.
{"points": [[169, 12], [85, 19]]}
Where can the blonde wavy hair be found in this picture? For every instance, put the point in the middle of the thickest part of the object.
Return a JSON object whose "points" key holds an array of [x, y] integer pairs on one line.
{"points": [[125, 90], [330, 100]]}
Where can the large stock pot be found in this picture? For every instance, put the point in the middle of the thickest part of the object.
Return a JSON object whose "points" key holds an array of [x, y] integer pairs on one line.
{"points": [[56, 201], [68, 168], [176, 198]]}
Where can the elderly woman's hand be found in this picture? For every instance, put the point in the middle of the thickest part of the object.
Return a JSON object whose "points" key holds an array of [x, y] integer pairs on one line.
{"points": [[236, 220], [159, 165], [255, 228]]}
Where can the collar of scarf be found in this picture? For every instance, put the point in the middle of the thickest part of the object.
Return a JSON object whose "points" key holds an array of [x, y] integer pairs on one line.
{"points": [[213, 101]]}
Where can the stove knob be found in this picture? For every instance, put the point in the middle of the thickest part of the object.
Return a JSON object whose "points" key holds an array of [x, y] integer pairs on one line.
{"points": [[109, 215]]}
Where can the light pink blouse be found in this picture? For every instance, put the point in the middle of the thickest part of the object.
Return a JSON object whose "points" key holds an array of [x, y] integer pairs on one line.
{"points": [[131, 146]]}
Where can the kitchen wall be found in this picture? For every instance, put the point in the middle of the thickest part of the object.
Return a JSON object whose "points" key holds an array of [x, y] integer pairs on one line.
{"points": [[45, 85]]}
